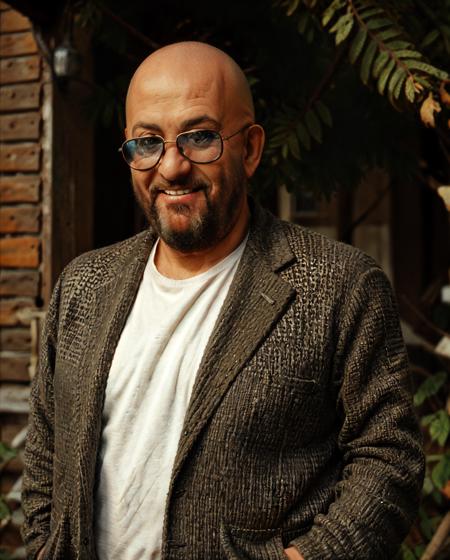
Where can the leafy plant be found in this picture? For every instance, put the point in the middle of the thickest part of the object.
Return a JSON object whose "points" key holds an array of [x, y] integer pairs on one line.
{"points": [[6, 454], [432, 395], [387, 58]]}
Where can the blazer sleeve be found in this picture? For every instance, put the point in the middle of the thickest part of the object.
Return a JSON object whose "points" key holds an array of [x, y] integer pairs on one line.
{"points": [[38, 456], [377, 497]]}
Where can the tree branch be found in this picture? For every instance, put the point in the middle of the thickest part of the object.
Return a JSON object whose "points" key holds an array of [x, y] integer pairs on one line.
{"points": [[326, 78], [438, 539], [366, 213], [129, 28]]}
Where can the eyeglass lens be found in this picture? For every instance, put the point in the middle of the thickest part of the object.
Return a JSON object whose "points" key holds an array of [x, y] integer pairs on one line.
{"points": [[199, 146]]}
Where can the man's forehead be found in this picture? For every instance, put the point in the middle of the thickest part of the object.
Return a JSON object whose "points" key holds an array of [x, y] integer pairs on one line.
{"points": [[178, 86], [157, 101], [182, 76]]}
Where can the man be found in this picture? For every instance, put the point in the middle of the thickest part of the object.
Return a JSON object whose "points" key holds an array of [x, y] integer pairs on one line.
{"points": [[223, 385]]}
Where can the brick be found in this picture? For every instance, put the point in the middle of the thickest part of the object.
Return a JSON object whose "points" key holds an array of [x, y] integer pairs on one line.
{"points": [[14, 398], [14, 366], [20, 219], [16, 44], [18, 97], [15, 340], [20, 126], [11, 21], [19, 283], [20, 157], [19, 252], [10, 310], [19, 188], [20, 69]]}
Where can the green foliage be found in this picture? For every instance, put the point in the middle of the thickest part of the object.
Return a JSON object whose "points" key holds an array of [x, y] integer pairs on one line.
{"points": [[430, 398], [6, 454], [439, 425], [300, 57], [5, 512], [440, 474], [386, 54], [430, 387], [389, 61]]}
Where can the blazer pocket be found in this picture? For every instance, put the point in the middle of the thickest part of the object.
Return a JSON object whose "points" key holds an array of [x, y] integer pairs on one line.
{"points": [[303, 385], [251, 544]]}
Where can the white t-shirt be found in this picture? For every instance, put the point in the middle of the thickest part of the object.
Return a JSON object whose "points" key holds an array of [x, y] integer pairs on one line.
{"points": [[147, 395]]}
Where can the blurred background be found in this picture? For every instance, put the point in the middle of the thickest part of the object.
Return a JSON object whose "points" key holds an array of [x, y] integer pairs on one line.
{"points": [[355, 99]]}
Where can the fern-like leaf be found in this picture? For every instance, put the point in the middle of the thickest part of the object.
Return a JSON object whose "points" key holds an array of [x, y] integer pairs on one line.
{"points": [[304, 136], [313, 125], [396, 82], [380, 62], [324, 113], [357, 44], [385, 74], [294, 146], [407, 53], [367, 60], [410, 92], [342, 27], [331, 10], [378, 23], [427, 69]]}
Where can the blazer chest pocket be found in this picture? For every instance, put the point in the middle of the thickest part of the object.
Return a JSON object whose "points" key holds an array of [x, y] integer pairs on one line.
{"points": [[274, 412]]}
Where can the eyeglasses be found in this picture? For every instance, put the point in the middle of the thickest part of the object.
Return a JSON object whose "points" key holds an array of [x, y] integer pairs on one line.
{"points": [[198, 146]]}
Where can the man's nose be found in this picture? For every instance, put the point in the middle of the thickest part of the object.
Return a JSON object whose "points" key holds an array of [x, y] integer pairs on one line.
{"points": [[173, 164]]}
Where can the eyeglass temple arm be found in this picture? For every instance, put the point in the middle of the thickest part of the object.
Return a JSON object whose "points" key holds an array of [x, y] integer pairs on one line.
{"points": [[238, 131]]}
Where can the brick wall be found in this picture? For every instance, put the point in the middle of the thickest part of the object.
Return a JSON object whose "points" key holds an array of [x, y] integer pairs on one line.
{"points": [[23, 175]]}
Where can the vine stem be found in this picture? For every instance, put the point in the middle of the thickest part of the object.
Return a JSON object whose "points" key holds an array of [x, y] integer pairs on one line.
{"points": [[423, 318], [360, 219], [128, 27], [383, 47], [438, 538], [325, 81]]}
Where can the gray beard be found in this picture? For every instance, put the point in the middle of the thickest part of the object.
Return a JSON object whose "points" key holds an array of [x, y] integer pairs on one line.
{"points": [[207, 230], [200, 235]]}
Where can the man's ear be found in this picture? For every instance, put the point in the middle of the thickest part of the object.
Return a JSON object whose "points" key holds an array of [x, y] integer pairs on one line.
{"points": [[253, 149], [126, 133]]}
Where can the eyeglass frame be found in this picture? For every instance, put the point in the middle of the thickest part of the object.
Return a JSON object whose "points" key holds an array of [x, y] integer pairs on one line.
{"points": [[164, 142]]}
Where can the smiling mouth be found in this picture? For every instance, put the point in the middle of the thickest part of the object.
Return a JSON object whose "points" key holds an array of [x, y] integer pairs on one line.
{"points": [[180, 192]]}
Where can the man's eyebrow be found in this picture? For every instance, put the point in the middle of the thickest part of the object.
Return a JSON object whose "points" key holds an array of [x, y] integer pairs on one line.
{"points": [[185, 125], [146, 126], [202, 119]]}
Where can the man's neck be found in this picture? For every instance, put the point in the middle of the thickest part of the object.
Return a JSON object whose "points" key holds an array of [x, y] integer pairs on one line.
{"points": [[178, 265]]}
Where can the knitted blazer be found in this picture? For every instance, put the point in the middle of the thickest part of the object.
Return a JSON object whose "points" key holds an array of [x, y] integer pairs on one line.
{"points": [[300, 427]]}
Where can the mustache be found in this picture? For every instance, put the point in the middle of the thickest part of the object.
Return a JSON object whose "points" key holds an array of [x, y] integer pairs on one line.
{"points": [[196, 184]]}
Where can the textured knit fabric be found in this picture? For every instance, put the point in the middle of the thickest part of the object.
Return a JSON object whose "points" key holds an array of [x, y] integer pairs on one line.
{"points": [[300, 427], [147, 395]]}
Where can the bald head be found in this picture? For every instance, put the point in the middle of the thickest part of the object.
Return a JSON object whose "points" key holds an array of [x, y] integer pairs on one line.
{"points": [[190, 71], [193, 185]]}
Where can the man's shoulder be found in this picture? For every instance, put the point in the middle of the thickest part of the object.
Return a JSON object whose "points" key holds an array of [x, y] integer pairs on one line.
{"points": [[100, 266], [317, 253], [319, 248]]}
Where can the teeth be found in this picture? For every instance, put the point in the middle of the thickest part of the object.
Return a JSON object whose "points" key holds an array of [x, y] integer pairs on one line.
{"points": [[177, 193]]}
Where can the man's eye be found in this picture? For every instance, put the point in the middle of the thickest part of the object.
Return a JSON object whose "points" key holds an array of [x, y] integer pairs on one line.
{"points": [[150, 142], [202, 137]]}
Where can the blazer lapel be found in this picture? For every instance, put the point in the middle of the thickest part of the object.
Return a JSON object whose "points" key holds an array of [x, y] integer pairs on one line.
{"points": [[257, 298], [112, 305]]}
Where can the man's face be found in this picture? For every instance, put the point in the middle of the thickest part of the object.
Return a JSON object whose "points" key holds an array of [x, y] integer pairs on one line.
{"points": [[191, 206]]}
